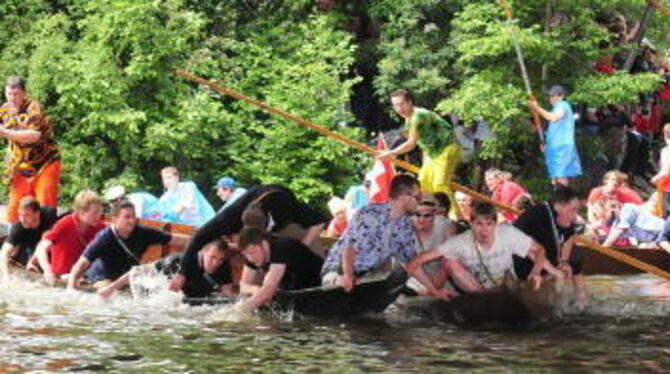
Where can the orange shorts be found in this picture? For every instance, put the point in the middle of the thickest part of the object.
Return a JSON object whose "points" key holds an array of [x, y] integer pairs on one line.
{"points": [[44, 186]]}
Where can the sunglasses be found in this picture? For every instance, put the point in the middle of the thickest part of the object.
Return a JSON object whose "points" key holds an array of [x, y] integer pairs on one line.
{"points": [[423, 215]]}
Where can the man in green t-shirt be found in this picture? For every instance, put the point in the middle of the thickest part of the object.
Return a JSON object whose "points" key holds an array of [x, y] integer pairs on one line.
{"points": [[436, 138]]}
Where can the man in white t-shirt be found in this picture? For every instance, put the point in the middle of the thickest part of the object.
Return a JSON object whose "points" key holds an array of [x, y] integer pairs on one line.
{"points": [[479, 258]]}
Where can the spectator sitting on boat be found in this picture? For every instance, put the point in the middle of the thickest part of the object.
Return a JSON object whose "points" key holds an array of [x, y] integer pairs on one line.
{"points": [[613, 187], [61, 246], [118, 247], [210, 274], [284, 215], [552, 225], [357, 197], [431, 234], [378, 234], [504, 191], [481, 257], [19, 246], [228, 191], [639, 225], [182, 202], [338, 208], [273, 264]]}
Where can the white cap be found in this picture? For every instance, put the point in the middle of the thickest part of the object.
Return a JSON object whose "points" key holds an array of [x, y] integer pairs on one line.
{"points": [[115, 192]]}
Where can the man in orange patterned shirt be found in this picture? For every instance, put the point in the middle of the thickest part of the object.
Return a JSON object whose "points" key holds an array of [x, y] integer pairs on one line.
{"points": [[34, 159]]}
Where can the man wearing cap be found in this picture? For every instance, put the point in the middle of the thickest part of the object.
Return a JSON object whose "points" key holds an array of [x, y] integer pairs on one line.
{"points": [[227, 190], [34, 158], [560, 152]]}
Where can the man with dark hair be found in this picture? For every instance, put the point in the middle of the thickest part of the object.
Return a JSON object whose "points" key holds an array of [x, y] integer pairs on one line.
{"points": [[378, 234], [284, 263], [552, 224], [34, 157], [34, 220], [481, 257], [284, 213], [210, 274], [119, 247], [436, 137]]}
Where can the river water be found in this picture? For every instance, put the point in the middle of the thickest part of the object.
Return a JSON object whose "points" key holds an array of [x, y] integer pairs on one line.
{"points": [[626, 329]]}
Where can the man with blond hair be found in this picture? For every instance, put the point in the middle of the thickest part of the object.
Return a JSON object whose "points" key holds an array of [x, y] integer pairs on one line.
{"points": [[61, 246]]}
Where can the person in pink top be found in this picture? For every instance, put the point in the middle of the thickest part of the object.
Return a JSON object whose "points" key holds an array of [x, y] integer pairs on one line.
{"points": [[61, 246], [503, 191], [614, 187]]}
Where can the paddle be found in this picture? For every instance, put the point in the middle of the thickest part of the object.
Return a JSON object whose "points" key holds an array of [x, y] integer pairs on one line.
{"points": [[407, 166]]}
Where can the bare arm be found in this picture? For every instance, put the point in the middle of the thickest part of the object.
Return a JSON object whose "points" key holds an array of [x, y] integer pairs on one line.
{"points": [[248, 281], [42, 254], [107, 291], [265, 293], [348, 279], [26, 136], [537, 254], [7, 251], [418, 261], [77, 272], [403, 148], [312, 233], [664, 169], [613, 236], [547, 115]]}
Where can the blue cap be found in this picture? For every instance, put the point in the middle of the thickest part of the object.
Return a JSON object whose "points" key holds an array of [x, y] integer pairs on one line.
{"points": [[557, 90], [226, 182]]}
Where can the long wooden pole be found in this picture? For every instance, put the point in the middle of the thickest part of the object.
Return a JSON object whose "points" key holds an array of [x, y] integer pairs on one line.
{"points": [[413, 168]]}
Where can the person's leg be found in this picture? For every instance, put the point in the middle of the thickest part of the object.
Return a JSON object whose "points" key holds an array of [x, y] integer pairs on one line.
{"points": [[462, 277], [19, 187], [444, 168], [47, 185]]}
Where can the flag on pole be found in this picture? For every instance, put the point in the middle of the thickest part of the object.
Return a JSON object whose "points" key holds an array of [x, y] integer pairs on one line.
{"points": [[380, 176]]}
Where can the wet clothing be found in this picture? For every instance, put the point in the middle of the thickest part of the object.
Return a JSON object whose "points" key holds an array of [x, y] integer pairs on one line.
{"points": [[69, 240], [561, 152], [198, 283], [112, 256], [279, 204], [303, 267], [538, 222], [25, 240], [34, 168], [376, 237]]}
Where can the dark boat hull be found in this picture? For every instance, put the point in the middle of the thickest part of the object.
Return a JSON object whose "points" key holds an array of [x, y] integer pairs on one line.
{"points": [[594, 263]]}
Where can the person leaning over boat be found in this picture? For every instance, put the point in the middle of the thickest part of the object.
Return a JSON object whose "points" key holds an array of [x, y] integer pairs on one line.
{"points": [[61, 246], [34, 158], [118, 247], [441, 153], [378, 234], [34, 220], [552, 224], [480, 258], [285, 215], [210, 274], [282, 263], [639, 226]]}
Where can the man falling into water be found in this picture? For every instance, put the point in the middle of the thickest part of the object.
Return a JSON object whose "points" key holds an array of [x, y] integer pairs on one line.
{"points": [[435, 135]]}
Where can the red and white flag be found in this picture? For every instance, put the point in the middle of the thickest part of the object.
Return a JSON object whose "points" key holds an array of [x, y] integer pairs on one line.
{"points": [[380, 176]]}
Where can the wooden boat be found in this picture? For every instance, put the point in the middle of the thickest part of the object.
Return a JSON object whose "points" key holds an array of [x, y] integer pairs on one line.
{"points": [[331, 301], [513, 303], [594, 263]]}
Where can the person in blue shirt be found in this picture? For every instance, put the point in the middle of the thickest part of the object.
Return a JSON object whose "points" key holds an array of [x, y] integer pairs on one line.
{"points": [[560, 151], [228, 191]]}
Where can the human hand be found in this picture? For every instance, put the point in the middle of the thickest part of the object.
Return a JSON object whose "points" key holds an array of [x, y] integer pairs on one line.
{"points": [[50, 278], [346, 281], [443, 293], [532, 103], [536, 281], [566, 269], [106, 292], [384, 155], [177, 282]]}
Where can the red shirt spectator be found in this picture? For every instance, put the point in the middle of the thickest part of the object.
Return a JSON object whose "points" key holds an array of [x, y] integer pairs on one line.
{"points": [[69, 238], [503, 191], [622, 194]]}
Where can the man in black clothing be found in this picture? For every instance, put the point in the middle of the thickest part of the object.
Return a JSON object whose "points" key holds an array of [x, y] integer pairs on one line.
{"points": [[281, 208], [119, 247], [210, 273], [552, 224], [24, 235], [284, 263]]}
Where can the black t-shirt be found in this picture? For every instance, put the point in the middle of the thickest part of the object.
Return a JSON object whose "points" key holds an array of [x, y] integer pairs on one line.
{"points": [[198, 283], [26, 239], [111, 260], [278, 202], [303, 267], [536, 222]]}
